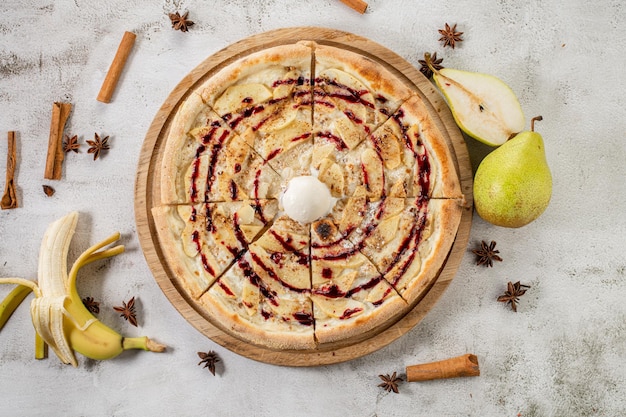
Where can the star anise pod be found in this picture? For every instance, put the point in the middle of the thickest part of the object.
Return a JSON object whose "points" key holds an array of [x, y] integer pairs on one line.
{"points": [[449, 36], [513, 293], [209, 359], [390, 383], [91, 305], [180, 22], [128, 311], [98, 145], [487, 254], [436, 64], [71, 144]]}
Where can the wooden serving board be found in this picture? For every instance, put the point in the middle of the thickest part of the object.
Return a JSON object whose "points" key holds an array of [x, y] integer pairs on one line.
{"points": [[147, 192]]}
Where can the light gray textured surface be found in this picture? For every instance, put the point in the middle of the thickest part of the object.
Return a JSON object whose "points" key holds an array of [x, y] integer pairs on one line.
{"points": [[562, 354]]}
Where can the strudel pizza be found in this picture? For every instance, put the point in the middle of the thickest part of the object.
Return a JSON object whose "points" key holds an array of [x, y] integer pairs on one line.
{"points": [[284, 263]]}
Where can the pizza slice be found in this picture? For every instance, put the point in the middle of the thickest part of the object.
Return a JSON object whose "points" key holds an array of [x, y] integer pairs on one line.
{"points": [[201, 241], [414, 269], [264, 297], [350, 297], [417, 160], [205, 161], [261, 90], [286, 146], [195, 135], [408, 240], [353, 94]]}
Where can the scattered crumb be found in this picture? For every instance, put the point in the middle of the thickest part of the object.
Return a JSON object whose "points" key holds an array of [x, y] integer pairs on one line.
{"points": [[49, 191]]}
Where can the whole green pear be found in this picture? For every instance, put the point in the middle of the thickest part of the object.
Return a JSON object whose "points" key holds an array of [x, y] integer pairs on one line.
{"points": [[513, 184]]}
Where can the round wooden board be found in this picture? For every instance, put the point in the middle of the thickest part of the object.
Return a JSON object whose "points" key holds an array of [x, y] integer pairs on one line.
{"points": [[147, 193]]}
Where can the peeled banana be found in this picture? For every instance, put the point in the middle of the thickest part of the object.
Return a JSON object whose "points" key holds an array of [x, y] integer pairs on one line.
{"points": [[59, 316]]}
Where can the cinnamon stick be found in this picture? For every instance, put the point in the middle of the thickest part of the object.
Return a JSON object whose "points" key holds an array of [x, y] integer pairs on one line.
{"points": [[461, 366], [9, 199], [115, 70], [358, 5], [54, 158]]}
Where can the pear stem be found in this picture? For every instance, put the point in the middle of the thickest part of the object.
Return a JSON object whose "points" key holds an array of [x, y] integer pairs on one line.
{"points": [[532, 122], [429, 63]]}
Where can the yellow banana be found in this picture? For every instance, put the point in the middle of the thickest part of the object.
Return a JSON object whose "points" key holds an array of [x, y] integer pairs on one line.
{"points": [[58, 313], [88, 335]]}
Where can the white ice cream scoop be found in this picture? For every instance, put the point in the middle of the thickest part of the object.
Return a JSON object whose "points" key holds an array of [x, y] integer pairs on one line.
{"points": [[306, 199]]}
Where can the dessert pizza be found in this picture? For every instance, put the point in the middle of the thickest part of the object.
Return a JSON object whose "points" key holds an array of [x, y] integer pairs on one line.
{"points": [[307, 197]]}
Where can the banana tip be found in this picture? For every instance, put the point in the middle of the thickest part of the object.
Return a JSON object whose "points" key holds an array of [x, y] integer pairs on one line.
{"points": [[154, 346]]}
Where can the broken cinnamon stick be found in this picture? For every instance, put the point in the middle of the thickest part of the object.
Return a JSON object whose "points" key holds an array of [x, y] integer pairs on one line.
{"points": [[9, 199], [115, 70], [54, 158], [461, 366], [358, 5]]}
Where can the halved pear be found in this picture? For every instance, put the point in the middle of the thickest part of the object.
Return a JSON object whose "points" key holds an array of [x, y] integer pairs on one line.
{"points": [[483, 106]]}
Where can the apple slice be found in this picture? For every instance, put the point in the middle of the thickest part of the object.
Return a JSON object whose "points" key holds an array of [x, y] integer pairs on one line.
{"points": [[483, 106], [372, 173], [331, 174], [250, 297], [190, 247], [241, 95]]}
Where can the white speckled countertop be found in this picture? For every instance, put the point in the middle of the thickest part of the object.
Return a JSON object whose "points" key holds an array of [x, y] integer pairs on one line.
{"points": [[561, 354]]}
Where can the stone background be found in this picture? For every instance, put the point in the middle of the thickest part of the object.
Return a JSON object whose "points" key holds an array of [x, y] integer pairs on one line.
{"points": [[562, 354]]}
